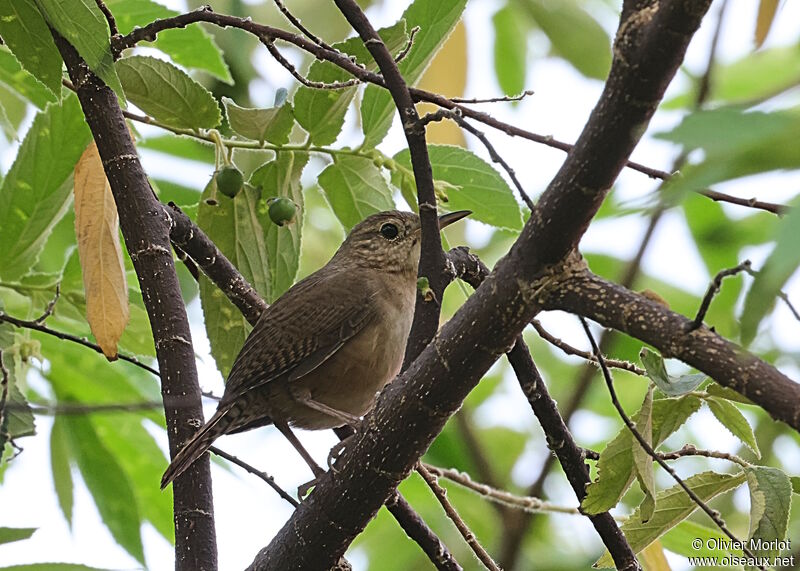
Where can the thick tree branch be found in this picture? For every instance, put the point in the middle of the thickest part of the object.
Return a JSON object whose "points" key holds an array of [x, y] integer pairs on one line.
{"points": [[146, 232], [411, 411], [614, 306]]}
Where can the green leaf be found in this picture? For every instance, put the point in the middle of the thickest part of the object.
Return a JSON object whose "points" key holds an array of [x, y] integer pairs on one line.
{"points": [[574, 35], [642, 461], [674, 505], [10, 534], [669, 384], [273, 124], [167, 93], [510, 49], [321, 111], [732, 419], [679, 540], [83, 25], [21, 82], [736, 144], [724, 392], [191, 47], [179, 146], [770, 501], [795, 484], [235, 227], [615, 466], [108, 484], [758, 75], [33, 199], [59, 464], [779, 267], [143, 462], [25, 32], [281, 177], [15, 108], [475, 185], [355, 188], [17, 421], [436, 20]]}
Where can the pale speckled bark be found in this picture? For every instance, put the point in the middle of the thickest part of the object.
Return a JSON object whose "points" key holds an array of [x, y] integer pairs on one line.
{"points": [[614, 306]]}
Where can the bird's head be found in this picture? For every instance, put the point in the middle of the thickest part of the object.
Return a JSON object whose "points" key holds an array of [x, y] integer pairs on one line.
{"points": [[389, 240]]}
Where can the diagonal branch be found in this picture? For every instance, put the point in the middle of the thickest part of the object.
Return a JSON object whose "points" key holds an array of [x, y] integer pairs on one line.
{"points": [[412, 411], [614, 306]]}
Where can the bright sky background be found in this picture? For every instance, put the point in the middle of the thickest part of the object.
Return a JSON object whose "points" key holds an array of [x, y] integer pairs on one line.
{"points": [[248, 513]]}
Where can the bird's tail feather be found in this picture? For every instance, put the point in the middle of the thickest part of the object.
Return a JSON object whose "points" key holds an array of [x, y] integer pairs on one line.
{"points": [[195, 448]]}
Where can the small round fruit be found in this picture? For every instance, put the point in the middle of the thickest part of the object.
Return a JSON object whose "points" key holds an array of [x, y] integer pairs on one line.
{"points": [[282, 211], [229, 180]]}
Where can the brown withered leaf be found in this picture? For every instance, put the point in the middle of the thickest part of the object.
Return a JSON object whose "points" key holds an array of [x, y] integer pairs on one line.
{"points": [[100, 252]]}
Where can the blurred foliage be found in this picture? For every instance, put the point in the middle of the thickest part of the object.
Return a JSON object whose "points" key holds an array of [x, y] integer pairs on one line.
{"points": [[325, 150]]}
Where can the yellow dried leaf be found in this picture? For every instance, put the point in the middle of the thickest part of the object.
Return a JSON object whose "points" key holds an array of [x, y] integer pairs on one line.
{"points": [[97, 229], [447, 74], [653, 559], [766, 17]]}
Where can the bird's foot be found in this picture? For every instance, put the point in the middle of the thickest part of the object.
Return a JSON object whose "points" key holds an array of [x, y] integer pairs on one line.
{"points": [[336, 451]]}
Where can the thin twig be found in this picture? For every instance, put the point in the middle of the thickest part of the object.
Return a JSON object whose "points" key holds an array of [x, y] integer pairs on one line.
{"points": [[505, 98], [263, 475], [295, 21], [495, 156], [409, 44], [713, 289], [50, 307], [466, 533], [112, 23], [4, 381], [524, 503], [24, 324], [714, 515], [78, 409], [690, 450], [781, 294], [570, 350], [270, 45], [33, 325]]}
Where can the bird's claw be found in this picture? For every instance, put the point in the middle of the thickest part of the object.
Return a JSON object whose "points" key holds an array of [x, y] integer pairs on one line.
{"points": [[335, 452]]}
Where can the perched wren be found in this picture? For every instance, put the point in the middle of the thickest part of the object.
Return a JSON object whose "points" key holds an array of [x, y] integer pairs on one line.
{"points": [[318, 356]]}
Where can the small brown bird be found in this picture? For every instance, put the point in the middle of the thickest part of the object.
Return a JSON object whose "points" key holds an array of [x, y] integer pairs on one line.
{"points": [[318, 356]]}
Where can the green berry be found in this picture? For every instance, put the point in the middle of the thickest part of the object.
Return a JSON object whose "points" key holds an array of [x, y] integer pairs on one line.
{"points": [[229, 180], [282, 211]]}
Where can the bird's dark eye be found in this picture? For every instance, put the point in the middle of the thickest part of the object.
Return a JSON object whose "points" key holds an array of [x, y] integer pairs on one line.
{"points": [[389, 231]]}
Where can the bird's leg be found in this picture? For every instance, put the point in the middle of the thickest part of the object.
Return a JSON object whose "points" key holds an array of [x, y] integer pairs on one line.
{"points": [[287, 432], [345, 433]]}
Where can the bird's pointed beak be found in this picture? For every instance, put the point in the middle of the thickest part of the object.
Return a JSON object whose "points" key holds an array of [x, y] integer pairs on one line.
{"points": [[450, 217]]}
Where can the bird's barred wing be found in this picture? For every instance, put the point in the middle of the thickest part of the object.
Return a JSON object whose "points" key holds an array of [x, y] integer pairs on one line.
{"points": [[292, 339]]}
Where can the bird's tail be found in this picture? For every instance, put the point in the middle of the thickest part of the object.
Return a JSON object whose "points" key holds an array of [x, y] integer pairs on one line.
{"points": [[195, 448]]}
